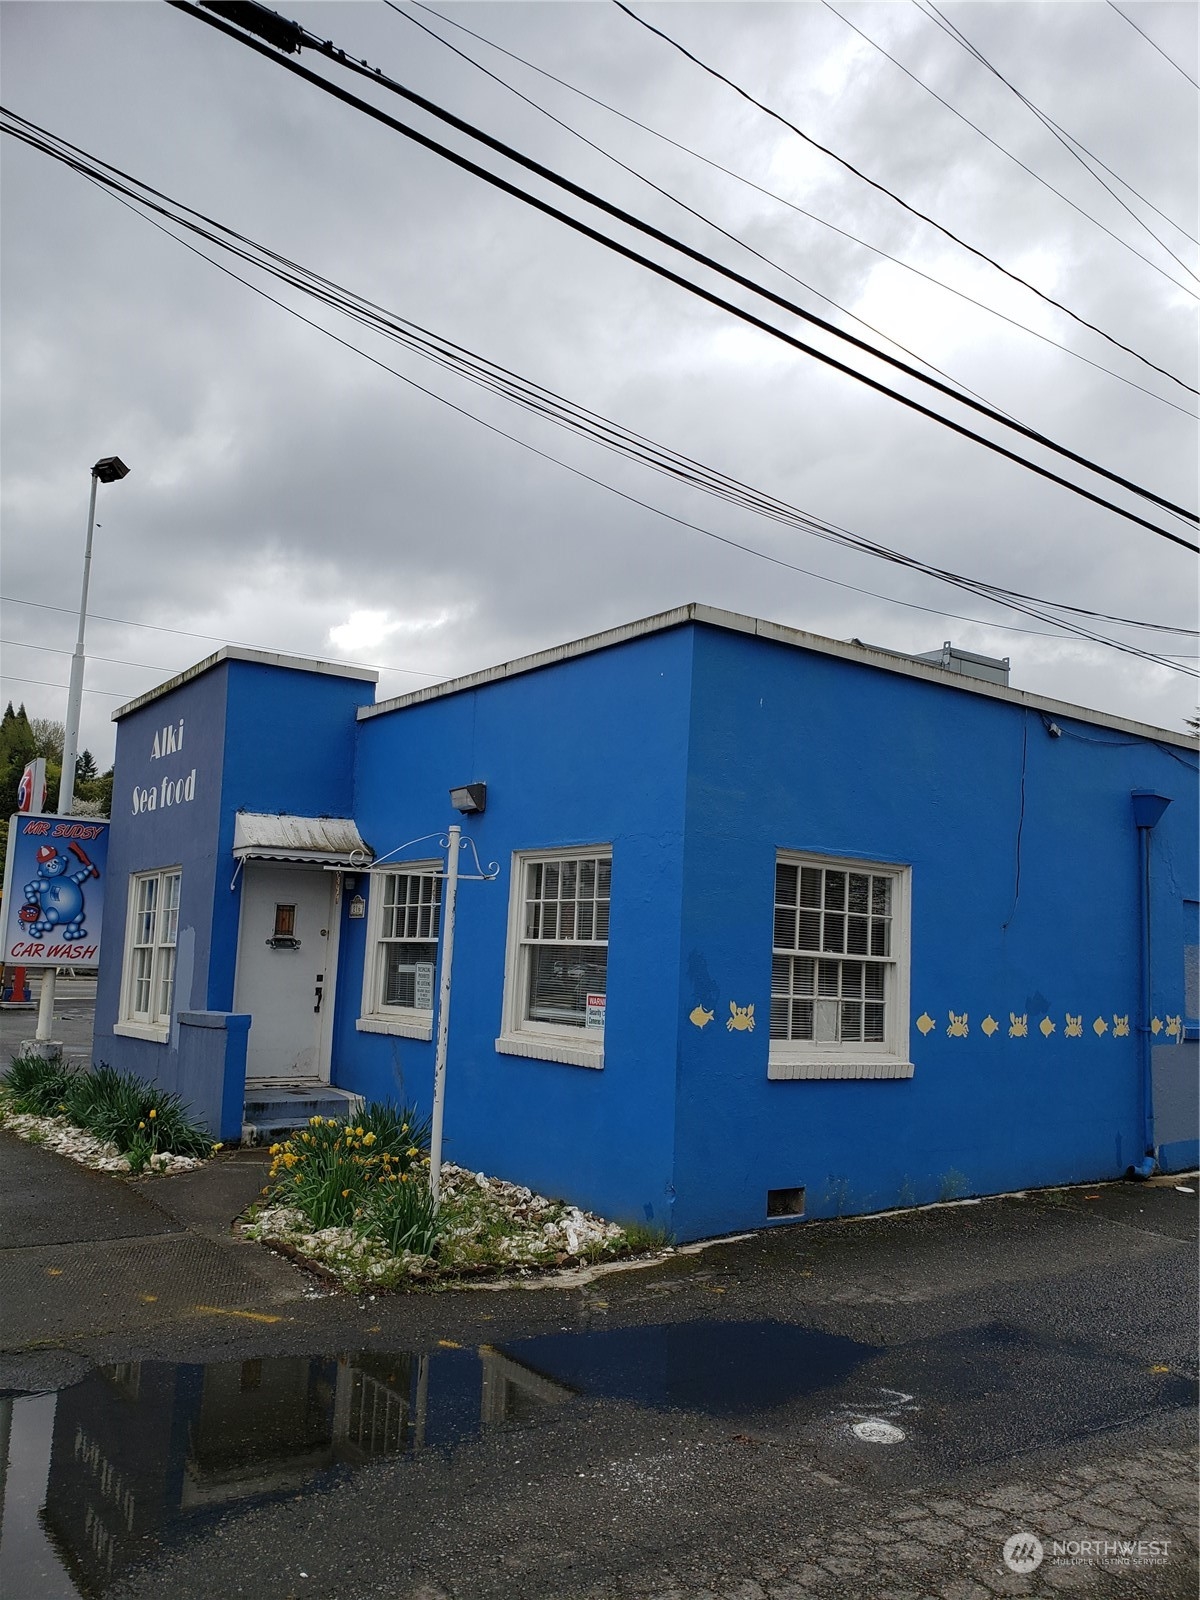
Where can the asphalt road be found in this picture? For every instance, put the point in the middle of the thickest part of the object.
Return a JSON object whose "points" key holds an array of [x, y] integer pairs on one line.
{"points": [[865, 1410], [75, 1002]]}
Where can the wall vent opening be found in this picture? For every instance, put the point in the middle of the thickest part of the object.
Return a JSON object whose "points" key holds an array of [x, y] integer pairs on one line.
{"points": [[785, 1202]]}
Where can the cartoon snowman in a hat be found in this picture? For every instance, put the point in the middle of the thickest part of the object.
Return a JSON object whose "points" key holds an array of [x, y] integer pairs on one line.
{"points": [[54, 899]]}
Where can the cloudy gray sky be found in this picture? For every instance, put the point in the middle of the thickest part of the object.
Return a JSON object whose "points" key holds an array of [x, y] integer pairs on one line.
{"points": [[286, 492]]}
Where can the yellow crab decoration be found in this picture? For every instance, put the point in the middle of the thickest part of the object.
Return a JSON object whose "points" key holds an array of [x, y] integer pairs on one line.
{"points": [[741, 1018]]}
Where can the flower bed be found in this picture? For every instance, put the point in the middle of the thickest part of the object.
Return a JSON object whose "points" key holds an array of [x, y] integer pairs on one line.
{"points": [[109, 1120], [65, 1139], [352, 1198]]}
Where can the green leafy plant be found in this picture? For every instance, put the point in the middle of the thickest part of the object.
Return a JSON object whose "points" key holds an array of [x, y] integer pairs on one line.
{"points": [[37, 1087], [139, 1153], [119, 1106], [334, 1170], [403, 1216], [115, 1106], [641, 1236]]}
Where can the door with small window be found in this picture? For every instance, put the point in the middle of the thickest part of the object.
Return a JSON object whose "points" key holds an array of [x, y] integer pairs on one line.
{"points": [[286, 950]]}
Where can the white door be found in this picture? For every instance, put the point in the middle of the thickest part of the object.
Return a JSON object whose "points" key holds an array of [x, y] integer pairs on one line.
{"points": [[284, 971]]}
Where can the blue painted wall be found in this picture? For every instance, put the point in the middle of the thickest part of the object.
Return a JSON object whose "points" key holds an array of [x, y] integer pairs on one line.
{"points": [[184, 835], [256, 737], [697, 754], [791, 750], [591, 751], [289, 746]]}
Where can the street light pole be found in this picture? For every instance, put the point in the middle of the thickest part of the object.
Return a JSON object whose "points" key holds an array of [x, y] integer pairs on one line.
{"points": [[109, 469], [66, 784]]}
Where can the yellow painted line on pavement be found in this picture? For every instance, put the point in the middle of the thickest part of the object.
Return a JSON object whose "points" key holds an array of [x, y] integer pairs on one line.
{"points": [[249, 1316]]}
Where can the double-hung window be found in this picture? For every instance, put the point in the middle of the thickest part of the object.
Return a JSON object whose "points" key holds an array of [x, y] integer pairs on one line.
{"points": [[557, 975], [148, 971], [402, 945], [839, 970]]}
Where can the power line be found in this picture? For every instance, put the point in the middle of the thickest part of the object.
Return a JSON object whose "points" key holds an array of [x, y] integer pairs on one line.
{"points": [[983, 591], [568, 414], [500, 380], [912, 210], [802, 211], [674, 198], [671, 276], [183, 633], [1152, 44], [154, 666], [1068, 141], [996, 145], [44, 683]]}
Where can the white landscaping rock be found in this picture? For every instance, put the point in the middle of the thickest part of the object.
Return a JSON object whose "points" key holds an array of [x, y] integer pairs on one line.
{"points": [[65, 1139]]}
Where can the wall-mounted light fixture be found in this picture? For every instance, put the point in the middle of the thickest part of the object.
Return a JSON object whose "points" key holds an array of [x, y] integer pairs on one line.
{"points": [[469, 797]]}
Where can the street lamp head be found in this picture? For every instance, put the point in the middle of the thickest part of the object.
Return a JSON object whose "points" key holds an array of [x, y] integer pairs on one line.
{"points": [[109, 469]]}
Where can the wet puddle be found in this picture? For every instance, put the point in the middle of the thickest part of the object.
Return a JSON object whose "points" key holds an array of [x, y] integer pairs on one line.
{"points": [[140, 1456]]}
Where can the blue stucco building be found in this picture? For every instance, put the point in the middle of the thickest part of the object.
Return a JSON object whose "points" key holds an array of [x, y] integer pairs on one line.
{"points": [[782, 926]]}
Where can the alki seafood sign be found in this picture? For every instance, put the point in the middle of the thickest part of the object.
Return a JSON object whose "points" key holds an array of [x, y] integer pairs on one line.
{"points": [[54, 891]]}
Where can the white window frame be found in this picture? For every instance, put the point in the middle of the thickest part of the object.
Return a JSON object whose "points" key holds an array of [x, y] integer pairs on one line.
{"points": [[889, 1057], [521, 1035], [153, 1021], [405, 1022]]}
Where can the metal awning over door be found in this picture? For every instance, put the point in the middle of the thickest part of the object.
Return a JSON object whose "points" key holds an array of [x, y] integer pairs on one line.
{"points": [[308, 841]]}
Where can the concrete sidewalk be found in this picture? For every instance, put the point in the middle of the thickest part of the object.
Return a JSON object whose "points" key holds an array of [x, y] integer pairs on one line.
{"points": [[84, 1253]]}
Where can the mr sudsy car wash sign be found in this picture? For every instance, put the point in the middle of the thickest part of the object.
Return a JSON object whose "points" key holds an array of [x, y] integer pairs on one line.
{"points": [[54, 891]]}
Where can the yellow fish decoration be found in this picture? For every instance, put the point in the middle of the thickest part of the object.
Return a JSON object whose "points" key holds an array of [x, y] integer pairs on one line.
{"points": [[700, 1017]]}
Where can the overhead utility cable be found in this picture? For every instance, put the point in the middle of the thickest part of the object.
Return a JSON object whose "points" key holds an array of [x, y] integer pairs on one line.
{"points": [[1125, 15], [995, 143], [960, 39], [209, 638], [892, 195], [705, 294], [1070, 144], [154, 666], [610, 435], [1074, 147], [770, 194], [675, 199], [44, 683]]}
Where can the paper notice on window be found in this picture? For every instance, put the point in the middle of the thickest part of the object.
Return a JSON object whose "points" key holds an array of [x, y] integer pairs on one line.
{"points": [[423, 986], [595, 1011]]}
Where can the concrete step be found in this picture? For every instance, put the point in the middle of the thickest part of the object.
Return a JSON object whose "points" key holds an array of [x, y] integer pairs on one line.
{"points": [[273, 1110]]}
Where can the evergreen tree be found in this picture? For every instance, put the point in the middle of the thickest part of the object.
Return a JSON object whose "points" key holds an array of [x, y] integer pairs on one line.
{"points": [[18, 746]]}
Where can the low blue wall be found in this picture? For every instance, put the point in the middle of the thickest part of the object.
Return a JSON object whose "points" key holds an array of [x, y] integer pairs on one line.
{"points": [[210, 1070]]}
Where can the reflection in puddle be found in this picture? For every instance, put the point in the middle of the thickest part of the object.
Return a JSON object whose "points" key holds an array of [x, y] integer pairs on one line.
{"points": [[143, 1455]]}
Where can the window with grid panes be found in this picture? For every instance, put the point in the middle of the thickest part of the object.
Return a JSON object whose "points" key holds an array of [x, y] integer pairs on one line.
{"points": [[148, 986], [838, 980], [406, 918], [564, 942]]}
